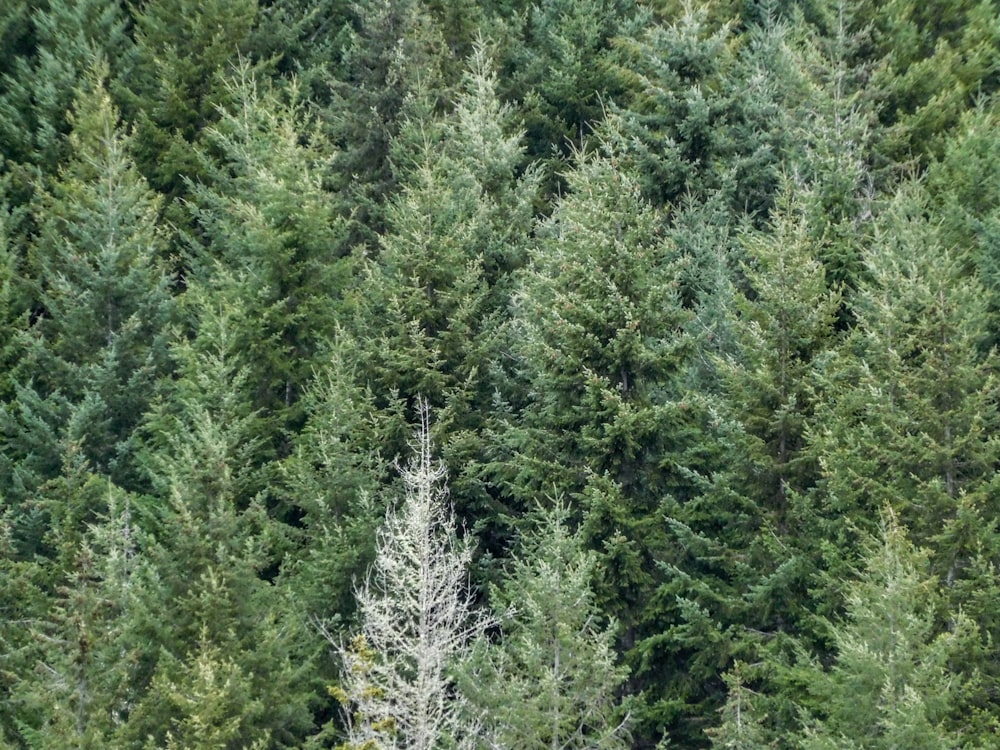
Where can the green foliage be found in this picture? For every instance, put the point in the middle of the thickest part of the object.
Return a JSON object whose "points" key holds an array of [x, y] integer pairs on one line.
{"points": [[171, 84], [564, 71], [90, 358], [223, 631], [784, 320], [891, 684], [274, 252], [395, 49], [429, 303], [909, 402], [670, 261], [939, 57], [551, 678], [62, 41]]}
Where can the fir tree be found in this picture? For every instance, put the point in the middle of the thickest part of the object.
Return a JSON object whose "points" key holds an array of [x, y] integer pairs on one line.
{"points": [[274, 249], [225, 633], [551, 679], [91, 357], [890, 685], [61, 43], [171, 83]]}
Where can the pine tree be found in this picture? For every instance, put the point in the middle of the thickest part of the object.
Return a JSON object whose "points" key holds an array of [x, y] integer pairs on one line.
{"points": [[564, 71], [551, 679], [962, 186], [940, 57], [417, 624], [835, 123], [225, 632], [909, 406], [908, 419], [709, 108], [395, 49], [784, 320]]}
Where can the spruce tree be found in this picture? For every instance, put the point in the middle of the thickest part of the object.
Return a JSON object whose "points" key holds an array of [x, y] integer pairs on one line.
{"points": [[233, 651], [53, 48], [91, 356], [81, 671], [171, 82], [939, 57], [599, 408], [551, 680], [891, 684], [908, 419], [430, 301], [272, 247], [394, 48]]}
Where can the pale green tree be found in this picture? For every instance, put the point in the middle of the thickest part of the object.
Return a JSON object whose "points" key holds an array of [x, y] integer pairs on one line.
{"points": [[551, 680]]}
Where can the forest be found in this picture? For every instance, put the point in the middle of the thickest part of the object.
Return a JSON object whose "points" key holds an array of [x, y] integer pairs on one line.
{"points": [[499, 374]]}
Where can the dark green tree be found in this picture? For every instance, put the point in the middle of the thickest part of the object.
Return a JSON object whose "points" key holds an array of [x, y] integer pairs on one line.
{"points": [[599, 409], [709, 110], [908, 417], [563, 71], [891, 684], [172, 82], [234, 652], [52, 49], [429, 304], [80, 668], [92, 353], [396, 48], [939, 58]]}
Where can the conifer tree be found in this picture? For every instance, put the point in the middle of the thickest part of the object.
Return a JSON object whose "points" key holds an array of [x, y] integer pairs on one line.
{"points": [[336, 480], [171, 83], [61, 43], [962, 187], [274, 249], [835, 123], [891, 684], [90, 358], [908, 417], [707, 114], [417, 624], [909, 406], [232, 650], [81, 673], [741, 727], [784, 320], [429, 303], [551, 679], [397, 47], [564, 71], [940, 57], [599, 407]]}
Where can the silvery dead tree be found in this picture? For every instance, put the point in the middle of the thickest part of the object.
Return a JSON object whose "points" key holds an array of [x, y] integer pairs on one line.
{"points": [[417, 624]]}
